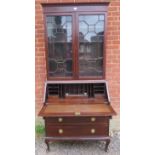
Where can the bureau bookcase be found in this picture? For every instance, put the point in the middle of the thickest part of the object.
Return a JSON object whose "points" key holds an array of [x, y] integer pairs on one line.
{"points": [[76, 102]]}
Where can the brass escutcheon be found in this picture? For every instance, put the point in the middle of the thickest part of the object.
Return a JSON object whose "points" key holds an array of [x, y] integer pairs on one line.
{"points": [[60, 119], [92, 131], [77, 113], [60, 131]]}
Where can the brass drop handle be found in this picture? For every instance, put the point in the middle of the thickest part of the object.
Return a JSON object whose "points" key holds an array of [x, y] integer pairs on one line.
{"points": [[92, 131], [60, 131], [60, 119], [93, 119]]}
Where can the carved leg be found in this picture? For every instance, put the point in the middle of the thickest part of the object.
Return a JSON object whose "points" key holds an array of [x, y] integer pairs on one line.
{"points": [[107, 144], [47, 143]]}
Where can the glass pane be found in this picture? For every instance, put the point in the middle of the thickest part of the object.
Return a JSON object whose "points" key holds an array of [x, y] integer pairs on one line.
{"points": [[91, 33], [59, 33]]}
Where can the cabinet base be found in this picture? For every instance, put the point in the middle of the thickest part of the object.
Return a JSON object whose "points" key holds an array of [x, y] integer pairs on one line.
{"points": [[49, 139]]}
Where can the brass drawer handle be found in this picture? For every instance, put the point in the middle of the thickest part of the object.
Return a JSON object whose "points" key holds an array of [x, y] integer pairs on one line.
{"points": [[60, 119], [93, 131], [60, 131], [93, 119]]}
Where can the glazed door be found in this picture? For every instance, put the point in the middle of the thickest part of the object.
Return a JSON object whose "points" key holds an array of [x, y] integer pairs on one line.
{"points": [[59, 46], [75, 42], [90, 45]]}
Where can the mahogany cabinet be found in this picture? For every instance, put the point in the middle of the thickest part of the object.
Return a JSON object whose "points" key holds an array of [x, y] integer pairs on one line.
{"points": [[75, 41], [76, 98]]}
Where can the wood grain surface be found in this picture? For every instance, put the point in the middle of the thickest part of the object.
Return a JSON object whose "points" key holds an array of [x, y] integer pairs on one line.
{"points": [[71, 109]]}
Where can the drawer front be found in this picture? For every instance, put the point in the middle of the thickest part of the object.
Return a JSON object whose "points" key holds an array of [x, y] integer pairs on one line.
{"points": [[77, 130], [80, 120]]}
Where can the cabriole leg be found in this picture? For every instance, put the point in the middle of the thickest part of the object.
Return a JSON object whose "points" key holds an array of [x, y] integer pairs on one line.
{"points": [[47, 143], [107, 144]]}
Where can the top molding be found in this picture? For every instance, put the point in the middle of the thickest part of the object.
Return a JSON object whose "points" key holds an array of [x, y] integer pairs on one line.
{"points": [[72, 1], [47, 8]]}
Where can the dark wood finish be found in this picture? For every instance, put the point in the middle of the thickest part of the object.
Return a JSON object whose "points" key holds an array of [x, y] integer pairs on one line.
{"points": [[77, 130], [73, 100], [46, 43], [76, 107], [100, 11], [77, 120], [107, 144], [76, 116], [47, 143], [77, 87], [70, 110], [79, 138], [82, 9]]}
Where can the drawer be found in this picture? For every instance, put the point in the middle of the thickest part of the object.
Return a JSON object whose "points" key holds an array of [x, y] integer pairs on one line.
{"points": [[77, 130], [76, 120]]}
